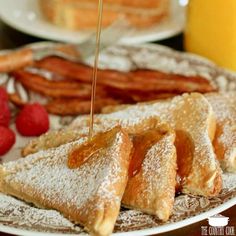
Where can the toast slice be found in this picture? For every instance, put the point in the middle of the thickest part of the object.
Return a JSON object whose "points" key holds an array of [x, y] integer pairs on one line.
{"points": [[152, 173], [89, 195], [193, 119], [224, 106]]}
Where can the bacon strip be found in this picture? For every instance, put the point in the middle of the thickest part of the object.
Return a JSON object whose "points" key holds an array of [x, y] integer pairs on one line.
{"points": [[16, 60], [55, 89], [139, 80], [75, 106], [15, 99]]}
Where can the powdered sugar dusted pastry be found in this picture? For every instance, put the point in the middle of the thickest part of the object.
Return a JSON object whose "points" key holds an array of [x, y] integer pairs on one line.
{"points": [[192, 117], [58, 137], [89, 195], [51, 139], [224, 106], [152, 173]]}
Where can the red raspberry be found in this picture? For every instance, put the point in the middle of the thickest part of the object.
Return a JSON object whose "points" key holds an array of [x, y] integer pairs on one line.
{"points": [[5, 114], [3, 94], [7, 139], [33, 120]]}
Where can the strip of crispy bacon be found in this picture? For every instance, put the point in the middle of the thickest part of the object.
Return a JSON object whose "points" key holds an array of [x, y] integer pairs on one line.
{"points": [[140, 96], [75, 106], [139, 80], [55, 89], [15, 99], [16, 60], [72, 106]]}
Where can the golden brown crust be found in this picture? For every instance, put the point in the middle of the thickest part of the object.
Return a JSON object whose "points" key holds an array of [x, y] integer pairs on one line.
{"points": [[52, 139], [83, 14], [224, 106], [193, 115], [90, 195], [58, 137], [190, 114], [152, 188]]}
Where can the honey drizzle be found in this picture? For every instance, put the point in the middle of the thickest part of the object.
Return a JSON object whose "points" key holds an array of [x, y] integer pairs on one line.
{"points": [[95, 68], [80, 155], [185, 148], [141, 145]]}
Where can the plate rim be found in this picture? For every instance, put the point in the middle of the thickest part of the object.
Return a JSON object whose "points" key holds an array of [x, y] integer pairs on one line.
{"points": [[144, 38], [155, 230]]}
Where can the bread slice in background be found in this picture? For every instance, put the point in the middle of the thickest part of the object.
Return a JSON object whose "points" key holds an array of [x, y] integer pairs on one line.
{"points": [[82, 14]]}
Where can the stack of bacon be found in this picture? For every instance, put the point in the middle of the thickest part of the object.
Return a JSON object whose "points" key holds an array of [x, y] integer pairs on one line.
{"points": [[69, 89]]}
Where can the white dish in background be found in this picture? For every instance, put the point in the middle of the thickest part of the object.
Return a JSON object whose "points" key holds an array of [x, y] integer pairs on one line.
{"points": [[25, 16]]}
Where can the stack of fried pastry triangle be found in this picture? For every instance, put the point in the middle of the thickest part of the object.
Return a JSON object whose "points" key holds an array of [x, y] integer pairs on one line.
{"points": [[192, 118], [91, 193], [138, 167]]}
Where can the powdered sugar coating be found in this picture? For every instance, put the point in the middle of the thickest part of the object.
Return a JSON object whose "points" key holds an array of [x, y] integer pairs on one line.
{"points": [[82, 191], [224, 106], [152, 188], [24, 215], [18, 214], [190, 113]]}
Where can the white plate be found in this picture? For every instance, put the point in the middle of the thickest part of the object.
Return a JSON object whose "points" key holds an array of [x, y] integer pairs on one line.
{"points": [[14, 214], [24, 15], [151, 231]]}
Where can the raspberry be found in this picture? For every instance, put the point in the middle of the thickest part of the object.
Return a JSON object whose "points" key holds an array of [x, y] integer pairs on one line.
{"points": [[3, 94], [5, 114], [7, 140], [33, 120]]}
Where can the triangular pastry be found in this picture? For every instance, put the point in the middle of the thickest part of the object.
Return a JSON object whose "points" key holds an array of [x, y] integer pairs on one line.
{"points": [[192, 118], [56, 138], [52, 139], [89, 195], [224, 106], [152, 173]]}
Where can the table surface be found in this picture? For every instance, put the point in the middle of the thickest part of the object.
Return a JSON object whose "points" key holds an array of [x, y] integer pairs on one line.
{"points": [[10, 38]]}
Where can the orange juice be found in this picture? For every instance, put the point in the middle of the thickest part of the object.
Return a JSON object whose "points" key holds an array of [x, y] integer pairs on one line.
{"points": [[211, 30]]}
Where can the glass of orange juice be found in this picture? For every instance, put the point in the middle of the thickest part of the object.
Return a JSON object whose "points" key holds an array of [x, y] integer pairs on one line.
{"points": [[211, 30]]}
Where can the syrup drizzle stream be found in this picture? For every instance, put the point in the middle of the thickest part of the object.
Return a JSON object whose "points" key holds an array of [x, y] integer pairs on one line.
{"points": [[95, 68], [78, 156]]}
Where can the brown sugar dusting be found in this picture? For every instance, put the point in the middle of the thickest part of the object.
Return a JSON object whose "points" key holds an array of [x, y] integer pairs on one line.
{"points": [[141, 144], [185, 148], [80, 155]]}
